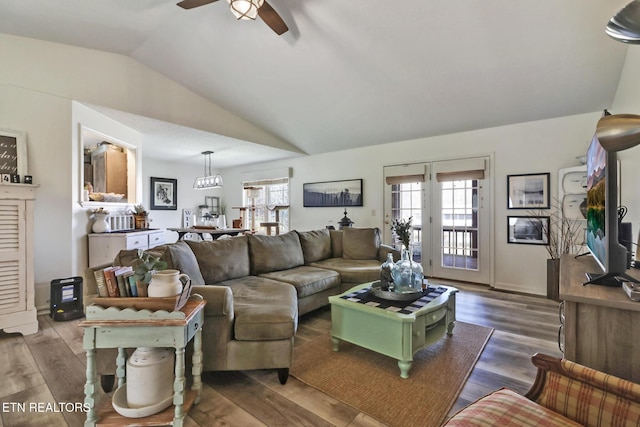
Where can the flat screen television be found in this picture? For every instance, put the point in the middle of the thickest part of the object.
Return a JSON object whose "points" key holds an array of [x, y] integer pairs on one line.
{"points": [[602, 217]]}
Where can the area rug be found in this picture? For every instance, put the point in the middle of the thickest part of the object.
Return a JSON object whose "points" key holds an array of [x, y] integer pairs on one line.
{"points": [[371, 383]]}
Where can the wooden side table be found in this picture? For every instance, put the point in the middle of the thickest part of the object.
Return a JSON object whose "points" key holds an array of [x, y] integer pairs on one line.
{"points": [[127, 328]]}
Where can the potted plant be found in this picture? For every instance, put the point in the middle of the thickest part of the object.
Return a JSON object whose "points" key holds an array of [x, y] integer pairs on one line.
{"points": [[140, 216], [408, 275], [100, 223], [144, 268], [565, 236]]}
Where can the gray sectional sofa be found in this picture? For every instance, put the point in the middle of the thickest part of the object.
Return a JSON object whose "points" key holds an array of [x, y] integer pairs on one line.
{"points": [[256, 286]]}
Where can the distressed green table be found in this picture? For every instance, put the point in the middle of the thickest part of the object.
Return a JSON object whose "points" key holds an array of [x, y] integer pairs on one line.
{"points": [[127, 328], [389, 332]]}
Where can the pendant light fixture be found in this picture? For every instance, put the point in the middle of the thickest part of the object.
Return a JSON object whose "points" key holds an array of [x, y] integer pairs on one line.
{"points": [[208, 180], [245, 9]]}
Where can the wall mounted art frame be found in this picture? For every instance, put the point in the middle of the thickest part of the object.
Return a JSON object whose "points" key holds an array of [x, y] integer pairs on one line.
{"points": [[528, 191], [528, 230], [332, 193], [13, 152], [164, 194]]}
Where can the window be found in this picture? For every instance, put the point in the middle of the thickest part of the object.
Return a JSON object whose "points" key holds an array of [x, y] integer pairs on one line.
{"points": [[266, 201], [460, 224], [406, 202]]}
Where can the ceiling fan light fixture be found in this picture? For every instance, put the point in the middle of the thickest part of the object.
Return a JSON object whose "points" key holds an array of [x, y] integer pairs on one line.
{"points": [[245, 9], [208, 180]]}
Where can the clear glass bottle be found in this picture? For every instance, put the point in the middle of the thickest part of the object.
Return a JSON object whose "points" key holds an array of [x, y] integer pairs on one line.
{"points": [[386, 273], [408, 274]]}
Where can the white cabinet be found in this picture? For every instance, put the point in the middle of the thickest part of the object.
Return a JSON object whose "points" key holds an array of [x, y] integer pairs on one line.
{"points": [[17, 295], [104, 247]]}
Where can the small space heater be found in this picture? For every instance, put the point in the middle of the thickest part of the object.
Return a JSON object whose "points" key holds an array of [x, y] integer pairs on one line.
{"points": [[66, 299]]}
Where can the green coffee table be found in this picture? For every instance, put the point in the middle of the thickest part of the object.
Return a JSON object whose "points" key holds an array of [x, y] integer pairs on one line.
{"points": [[389, 331]]}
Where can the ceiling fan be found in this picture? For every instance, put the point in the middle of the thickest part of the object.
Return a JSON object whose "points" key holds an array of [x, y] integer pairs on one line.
{"points": [[247, 9]]}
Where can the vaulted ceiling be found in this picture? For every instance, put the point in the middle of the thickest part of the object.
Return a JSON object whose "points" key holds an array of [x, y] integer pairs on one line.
{"points": [[356, 73]]}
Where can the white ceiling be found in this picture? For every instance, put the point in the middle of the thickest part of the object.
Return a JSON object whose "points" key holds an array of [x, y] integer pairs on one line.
{"points": [[356, 73]]}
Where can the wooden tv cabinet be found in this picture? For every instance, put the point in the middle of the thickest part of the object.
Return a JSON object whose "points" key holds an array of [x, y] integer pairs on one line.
{"points": [[601, 324]]}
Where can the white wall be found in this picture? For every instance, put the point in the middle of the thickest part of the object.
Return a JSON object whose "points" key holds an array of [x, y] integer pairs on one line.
{"points": [[542, 146], [38, 82]]}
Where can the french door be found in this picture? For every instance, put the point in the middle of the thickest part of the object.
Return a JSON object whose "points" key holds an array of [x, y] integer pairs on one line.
{"points": [[452, 218]]}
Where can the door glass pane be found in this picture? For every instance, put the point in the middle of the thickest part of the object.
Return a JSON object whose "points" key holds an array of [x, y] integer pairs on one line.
{"points": [[459, 224], [406, 201]]}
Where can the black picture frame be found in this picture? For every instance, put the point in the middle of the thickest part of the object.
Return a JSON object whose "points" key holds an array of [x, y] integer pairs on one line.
{"points": [[528, 230], [332, 193], [529, 191], [163, 194]]}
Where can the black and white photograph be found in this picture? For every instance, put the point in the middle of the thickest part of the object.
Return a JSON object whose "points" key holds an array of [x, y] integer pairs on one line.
{"points": [[528, 191], [332, 193], [164, 194], [529, 230]]}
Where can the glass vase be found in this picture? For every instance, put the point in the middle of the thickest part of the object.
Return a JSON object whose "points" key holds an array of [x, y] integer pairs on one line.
{"points": [[408, 274], [386, 273]]}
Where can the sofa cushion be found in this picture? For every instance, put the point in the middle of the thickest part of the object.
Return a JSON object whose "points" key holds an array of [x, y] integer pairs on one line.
{"points": [[507, 408], [264, 309], [316, 245], [352, 270], [307, 280], [360, 243], [222, 259], [336, 243], [183, 259], [273, 253]]}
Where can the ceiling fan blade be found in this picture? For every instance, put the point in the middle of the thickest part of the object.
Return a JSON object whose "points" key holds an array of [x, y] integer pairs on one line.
{"points": [[190, 4], [272, 19]]}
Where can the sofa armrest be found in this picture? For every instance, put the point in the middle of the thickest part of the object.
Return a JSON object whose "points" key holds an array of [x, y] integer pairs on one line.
{"points": [[219, 299], [568, 388], [383, 250]]}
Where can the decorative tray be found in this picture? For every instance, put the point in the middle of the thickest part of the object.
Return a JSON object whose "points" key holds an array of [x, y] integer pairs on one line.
{"points": [[393, 296]]}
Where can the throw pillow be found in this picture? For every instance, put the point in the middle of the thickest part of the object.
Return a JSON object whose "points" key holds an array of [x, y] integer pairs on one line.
{"points": [[336, 243], [184, 259], [275, 253], [222, 259], [360, 243], [316, 245]]}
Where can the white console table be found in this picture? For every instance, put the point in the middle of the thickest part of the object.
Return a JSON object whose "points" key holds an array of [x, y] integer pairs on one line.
{"points": [[103, 247]]}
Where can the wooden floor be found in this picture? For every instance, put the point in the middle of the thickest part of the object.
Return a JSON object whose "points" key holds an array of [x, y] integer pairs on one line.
{"points": [[48, 367]]}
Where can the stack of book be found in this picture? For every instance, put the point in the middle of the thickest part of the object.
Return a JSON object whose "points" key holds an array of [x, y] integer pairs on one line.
{"points": [[118, 282]]}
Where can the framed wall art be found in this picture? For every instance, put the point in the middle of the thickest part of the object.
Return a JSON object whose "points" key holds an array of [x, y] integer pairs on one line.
{"points": [[13, 153], [164, 194], [528, 191], [332, 193], [529, 230]]}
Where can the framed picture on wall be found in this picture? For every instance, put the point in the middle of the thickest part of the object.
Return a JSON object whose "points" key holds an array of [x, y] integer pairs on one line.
{"points": [[528, 191], [164, 194], [332, 193], [528, 230]]}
